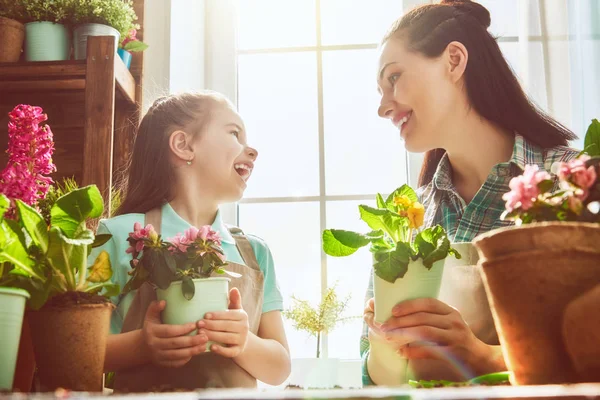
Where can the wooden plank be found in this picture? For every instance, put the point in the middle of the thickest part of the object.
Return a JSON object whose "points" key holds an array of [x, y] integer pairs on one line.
{"points": [[42, 85], [42, 70], [125, 82], [99, 115]]}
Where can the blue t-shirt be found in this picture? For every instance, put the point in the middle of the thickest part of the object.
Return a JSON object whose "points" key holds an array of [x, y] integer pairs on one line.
{"points": [[172, 224]]}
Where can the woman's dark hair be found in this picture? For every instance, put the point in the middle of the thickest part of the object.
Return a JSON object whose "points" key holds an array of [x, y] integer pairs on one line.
{"points": [[492, 87], [150, 174]]}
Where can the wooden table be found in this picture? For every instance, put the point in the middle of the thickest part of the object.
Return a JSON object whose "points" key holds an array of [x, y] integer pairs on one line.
{"points": [[580, 391]]}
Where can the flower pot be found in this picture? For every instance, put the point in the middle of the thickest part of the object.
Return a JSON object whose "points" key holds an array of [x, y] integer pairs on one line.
{"points": [[70, 345], [81, 33], [212, 294], [12, 34], [314, 373], [25, 361], [531, 273], [418, 282], [46, 41], [582, 334], [125, 56], [12, 308]]}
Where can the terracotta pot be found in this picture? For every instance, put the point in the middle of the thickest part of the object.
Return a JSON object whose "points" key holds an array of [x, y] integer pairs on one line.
{"points": [[25, 361], [12, 34], [531, 273], [581, 330], [70, 345]]}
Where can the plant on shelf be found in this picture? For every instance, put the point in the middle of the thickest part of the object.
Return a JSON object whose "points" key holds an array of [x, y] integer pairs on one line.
{"points": [[118, 14]]}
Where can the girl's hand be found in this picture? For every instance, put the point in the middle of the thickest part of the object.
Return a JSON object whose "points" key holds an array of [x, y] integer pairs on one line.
{"points": [[430, 329], [168, 345], [230, 328]]}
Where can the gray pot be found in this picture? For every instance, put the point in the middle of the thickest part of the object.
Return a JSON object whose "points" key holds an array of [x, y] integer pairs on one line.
{"points": [[81, 33]]}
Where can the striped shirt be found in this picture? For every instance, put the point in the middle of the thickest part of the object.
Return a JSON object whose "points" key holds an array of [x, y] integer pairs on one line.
{"points": [[462, 221]]}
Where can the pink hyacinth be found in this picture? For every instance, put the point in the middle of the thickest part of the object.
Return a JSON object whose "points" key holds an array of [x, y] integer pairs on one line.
{"points": [[524, 189], [30, 148]]}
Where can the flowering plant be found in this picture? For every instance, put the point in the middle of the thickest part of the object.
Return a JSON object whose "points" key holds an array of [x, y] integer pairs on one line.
{"points": [[30, 148], [532, 199], [395, 222], [116, 13], [131, 42], [196, 253]]}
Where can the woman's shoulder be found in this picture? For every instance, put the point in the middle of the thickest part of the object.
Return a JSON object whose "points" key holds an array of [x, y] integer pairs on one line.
{"points": [[121, 224], [558, 154]]}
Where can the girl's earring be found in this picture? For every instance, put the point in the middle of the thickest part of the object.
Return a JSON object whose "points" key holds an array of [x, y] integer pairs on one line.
{"points": [[189, 162]]}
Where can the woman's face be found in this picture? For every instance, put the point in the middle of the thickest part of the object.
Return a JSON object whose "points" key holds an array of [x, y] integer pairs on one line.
{"points": [[418, 95]]}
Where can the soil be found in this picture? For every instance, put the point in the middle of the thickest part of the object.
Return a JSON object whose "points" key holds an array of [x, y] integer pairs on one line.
{"points": [[70, 299]]}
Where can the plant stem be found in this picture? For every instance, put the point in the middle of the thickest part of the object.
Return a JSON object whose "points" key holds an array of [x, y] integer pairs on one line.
{"points": [[318, 344]]}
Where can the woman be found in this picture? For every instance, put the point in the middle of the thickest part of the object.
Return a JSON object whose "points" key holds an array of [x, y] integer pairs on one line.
{"points": [[446, 86]]}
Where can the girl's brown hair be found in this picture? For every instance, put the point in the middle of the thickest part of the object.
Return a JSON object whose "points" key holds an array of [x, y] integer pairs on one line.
{"points": [[150, 174], [492, 87]]}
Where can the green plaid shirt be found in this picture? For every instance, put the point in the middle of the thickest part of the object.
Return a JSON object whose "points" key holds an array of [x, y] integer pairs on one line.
{"points": [[463, 222]]}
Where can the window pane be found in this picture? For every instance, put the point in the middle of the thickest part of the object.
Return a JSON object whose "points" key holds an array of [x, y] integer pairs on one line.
{"points": [[352, 276], [357, 21], [504, 15], [277, 96], [276, 23], [363, 153], [292, 232]]}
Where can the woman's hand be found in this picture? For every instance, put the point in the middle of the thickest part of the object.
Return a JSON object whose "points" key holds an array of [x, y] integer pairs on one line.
{"points": [[169, 345], [229, 328], [427, 328]]}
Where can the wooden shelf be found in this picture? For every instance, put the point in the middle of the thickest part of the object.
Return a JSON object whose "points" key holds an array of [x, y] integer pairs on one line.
{"points": [[60, 75], [93, 108]]}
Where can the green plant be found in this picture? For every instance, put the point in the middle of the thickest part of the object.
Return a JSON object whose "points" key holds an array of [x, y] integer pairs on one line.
{"points": [[116, 13], [55, 192], [56, 11], [395, 223], [48, 260], [12, 9], [318, 320]]}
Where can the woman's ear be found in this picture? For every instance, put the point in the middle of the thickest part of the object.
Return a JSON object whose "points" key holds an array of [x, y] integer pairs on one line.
{"points": [[457, 57], [180, 144]]}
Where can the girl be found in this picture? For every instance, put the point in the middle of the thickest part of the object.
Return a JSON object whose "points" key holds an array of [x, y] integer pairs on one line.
{"points": [[190, 156], [446, 86]]}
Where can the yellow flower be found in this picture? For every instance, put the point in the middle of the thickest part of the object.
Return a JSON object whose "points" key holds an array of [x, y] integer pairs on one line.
{"points": [[403, 201], [415, 215]]}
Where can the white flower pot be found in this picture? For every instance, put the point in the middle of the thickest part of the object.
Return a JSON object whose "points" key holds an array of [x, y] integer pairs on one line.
{"points": [[314, 373], [418, 282]]}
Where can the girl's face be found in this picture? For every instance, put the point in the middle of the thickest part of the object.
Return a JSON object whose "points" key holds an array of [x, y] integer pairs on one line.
{"points": [[417, 95], [223, 161]]}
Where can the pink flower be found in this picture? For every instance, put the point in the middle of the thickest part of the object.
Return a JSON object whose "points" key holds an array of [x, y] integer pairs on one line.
{"points": [[30, 148], [576, 172], [524, 189], [191, 233], [208, 235], [141, 233], [131, 37], [179, 243]]}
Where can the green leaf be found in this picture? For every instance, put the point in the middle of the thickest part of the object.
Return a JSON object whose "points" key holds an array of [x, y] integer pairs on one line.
{"points": [[64, 257], [230, 273], [592, 139], [392, 264], [14, 250], [403, 190], [101, 270], [135, 45], [433, 245], [4, 205], [101, 239], [161, 274], [188, 289], [340, 243], [71, 211], [110, 289], [382, 219], [34, 224], [170, 261], [545, 185], [380, 201]]}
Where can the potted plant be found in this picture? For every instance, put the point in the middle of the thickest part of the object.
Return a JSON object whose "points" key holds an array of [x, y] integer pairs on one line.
{"points": [[69, 321], [404, 268], [100, 18], [128, 45], [316, 373], [46, 36], [534, 270], [181, 270], [12, 30]]}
